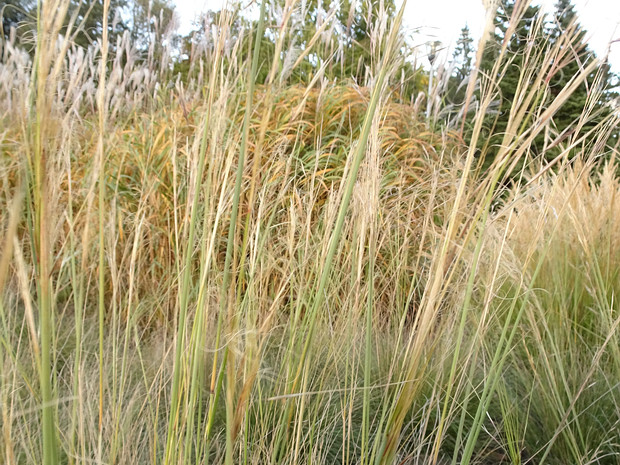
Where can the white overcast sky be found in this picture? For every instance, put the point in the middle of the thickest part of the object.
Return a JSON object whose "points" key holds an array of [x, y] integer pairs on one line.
{"points": [[443, 20]]}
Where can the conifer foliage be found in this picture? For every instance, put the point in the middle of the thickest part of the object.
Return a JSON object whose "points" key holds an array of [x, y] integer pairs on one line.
{"points": [[579, 55], [594, 96]]}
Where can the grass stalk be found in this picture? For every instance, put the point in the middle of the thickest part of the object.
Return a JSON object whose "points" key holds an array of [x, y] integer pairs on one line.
{"points": [[101, 106], [226, 290]]}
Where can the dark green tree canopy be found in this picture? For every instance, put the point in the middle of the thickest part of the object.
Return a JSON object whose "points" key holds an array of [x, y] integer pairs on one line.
{"points": [[135, 16], [463, 54], [17, 16], [22, 16], [578, 56], [462, 62], [346, 47], [563, 23]]}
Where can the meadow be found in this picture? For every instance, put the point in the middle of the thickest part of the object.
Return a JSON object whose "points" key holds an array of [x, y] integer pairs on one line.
{"points": [[300, 270]]}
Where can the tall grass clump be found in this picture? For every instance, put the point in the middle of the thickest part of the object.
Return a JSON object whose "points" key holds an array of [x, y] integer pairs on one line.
{"points": [[256, 262]]}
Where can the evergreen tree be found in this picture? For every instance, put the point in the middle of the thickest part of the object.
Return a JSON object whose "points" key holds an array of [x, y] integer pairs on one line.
{"points": [[356, 18], [577, 57], [150, 20], [462, 55], [516, 44], [240, 28], [350, 33], [22, 15], [133, 15], [462, 59], [17, 14]]}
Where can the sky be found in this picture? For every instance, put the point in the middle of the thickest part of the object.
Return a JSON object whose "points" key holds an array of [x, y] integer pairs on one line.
{"points": [[443, 19]]}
